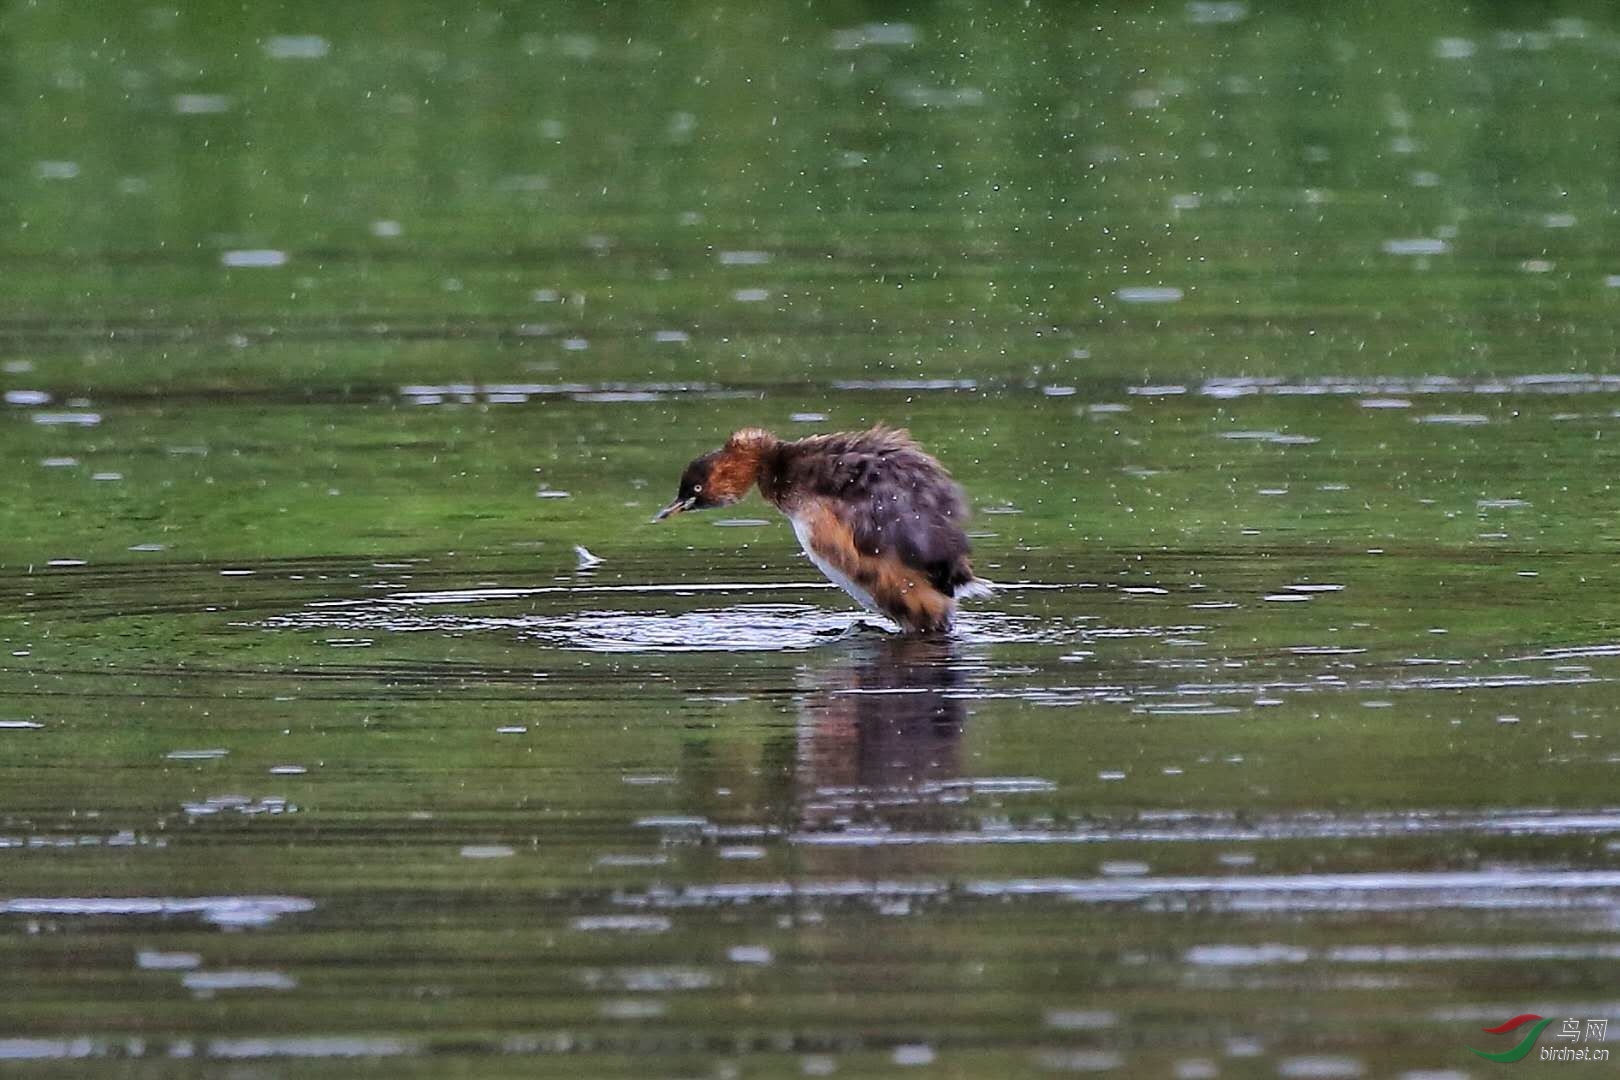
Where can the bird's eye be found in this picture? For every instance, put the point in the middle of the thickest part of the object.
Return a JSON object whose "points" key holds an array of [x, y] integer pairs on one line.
{"points": [[697, 489]]}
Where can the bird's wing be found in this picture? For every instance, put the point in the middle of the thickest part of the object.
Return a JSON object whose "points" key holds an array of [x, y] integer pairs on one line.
{"points": [[897, 501]]}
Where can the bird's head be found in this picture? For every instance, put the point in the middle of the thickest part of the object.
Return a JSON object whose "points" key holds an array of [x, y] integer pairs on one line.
{"points": [[721, 477]]}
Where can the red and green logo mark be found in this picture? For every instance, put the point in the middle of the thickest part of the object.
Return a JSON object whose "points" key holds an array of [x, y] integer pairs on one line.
{"points": [[1525, 1045]]}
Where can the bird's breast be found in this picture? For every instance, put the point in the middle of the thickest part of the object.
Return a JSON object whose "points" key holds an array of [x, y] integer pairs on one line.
{"points": [[804, 527]]}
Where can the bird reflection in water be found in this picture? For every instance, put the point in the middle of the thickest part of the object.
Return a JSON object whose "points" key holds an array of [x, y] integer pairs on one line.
{"points": [[879, 737]]}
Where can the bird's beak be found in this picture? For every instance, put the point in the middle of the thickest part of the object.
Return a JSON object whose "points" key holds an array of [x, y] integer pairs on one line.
{"points": [[679, 506]]}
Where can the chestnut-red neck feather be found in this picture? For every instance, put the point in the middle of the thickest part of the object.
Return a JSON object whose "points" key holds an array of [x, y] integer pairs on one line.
{"points": [[748, 458]]}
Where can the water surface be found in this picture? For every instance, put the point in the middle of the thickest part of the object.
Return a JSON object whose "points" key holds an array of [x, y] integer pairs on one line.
{"points": [[1274, 346]]}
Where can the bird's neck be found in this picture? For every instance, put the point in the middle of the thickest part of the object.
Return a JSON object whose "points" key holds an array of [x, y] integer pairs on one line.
{"points": [[750, 457]]}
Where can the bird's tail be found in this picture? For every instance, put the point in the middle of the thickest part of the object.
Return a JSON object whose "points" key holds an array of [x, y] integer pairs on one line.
{"points": [[976, 589]]}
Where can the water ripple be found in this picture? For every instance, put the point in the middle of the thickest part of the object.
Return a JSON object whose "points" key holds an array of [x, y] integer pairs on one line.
{"points": [[227, 911], [744, 627], [1501, 889], [1155, 827]]}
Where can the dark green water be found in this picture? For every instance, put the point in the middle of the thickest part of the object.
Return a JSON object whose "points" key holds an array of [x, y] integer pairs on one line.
{"points": [[1276, 347]]}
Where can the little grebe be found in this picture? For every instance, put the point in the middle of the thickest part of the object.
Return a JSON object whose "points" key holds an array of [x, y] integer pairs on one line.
{"points": [[875, 513]]}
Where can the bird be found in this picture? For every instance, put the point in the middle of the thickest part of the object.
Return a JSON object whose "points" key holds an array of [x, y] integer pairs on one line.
{"points": [[877, 514]]}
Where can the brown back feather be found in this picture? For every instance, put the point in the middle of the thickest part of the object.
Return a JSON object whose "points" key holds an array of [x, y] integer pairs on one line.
{"points": [[896, 499]]}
